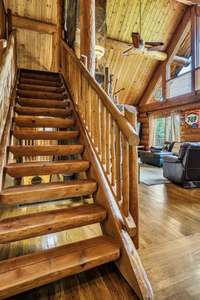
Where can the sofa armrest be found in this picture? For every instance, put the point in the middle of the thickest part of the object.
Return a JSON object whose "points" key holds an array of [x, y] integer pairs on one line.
{"points": [[171, 159]]}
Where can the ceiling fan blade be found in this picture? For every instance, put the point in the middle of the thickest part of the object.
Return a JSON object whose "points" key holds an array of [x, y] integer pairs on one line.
{"points": [[126, 51], [154, 44], [136, 39]]}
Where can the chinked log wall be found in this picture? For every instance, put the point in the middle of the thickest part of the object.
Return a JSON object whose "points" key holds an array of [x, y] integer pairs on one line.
{"points": [[187, 134]]}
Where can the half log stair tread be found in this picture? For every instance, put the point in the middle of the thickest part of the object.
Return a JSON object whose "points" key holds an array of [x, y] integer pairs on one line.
{"points": [[42, 88], [47, 191], [37, 122], [40, 77], [44, 135], [39, 82], [42, 111], [50, 265], [51, 103], [40, 95], [46, 167], [20, 151], [46, 222]]}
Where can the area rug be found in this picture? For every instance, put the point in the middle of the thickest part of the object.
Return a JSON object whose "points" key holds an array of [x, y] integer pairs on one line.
{"points": [[150, 175]]}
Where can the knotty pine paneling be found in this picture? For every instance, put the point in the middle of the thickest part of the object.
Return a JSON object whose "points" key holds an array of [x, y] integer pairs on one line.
{"points": [[41, 10], [34, 50], [159, 20]]}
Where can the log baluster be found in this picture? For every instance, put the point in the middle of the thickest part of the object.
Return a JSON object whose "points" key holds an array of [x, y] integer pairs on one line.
{"points": [[131, 116], [125, 176]]}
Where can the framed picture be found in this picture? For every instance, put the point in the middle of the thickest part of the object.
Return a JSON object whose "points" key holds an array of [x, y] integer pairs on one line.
{"points": [[192, 119]]}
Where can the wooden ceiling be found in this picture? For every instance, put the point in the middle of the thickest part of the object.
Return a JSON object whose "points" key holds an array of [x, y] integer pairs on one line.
{"points": [[159, 20], [34, 48]]}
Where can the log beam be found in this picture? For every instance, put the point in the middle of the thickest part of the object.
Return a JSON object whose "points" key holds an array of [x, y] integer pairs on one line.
{"points": [[34, 25], [174, 44], [87, 32], [189, 2], [56, 61], [120, 46]]}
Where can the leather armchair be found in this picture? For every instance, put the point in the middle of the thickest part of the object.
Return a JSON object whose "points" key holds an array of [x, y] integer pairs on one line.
{"points": [[184, 169]]}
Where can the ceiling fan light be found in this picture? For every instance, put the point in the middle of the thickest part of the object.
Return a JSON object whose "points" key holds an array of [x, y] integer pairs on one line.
{"points": [[99, 51]]}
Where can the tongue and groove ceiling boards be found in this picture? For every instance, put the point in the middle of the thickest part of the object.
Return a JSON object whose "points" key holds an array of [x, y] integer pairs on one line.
{"points": [[159, 21], [133, 73], [34, 48]]}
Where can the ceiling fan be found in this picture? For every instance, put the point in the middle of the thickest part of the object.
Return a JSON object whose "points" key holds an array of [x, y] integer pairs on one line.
{"points": [[138, 43]]}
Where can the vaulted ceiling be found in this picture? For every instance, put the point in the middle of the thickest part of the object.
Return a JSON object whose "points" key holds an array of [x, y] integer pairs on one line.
{"points": [[159, 21], [133, 73]]}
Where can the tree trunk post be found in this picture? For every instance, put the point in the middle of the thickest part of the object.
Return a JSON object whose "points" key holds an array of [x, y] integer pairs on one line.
{"points": [[87, 33]]}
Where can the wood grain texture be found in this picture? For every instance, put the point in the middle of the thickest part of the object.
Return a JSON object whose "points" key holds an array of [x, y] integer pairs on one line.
{"points": [[37, 122], [45, 168], [38, 82], [37, 224], [28, 134], [40, 95], [43, 267], [169, 240], [42, 111], [47, 192], [31, 87], [43, 103], [60, 150]]}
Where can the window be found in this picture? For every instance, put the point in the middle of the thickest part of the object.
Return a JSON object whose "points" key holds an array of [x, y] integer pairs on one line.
{"points": [[166, 129]]}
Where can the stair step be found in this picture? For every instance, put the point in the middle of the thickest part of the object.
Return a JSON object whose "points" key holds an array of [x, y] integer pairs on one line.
{"points": [[46, 168], [43, 103], [39, 82], [45, 77], [42, 111], [37, 122], [26, 272], [41, 95], [36, 224], [28, 134], [20, 151], [47, 192], [40, 87]]}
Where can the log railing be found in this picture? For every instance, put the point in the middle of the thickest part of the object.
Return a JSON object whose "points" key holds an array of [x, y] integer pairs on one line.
{"points": [[112, 135], [8, 74]]}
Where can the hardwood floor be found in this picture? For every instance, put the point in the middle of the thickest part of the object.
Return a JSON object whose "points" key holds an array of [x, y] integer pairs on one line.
{"points": [[169, 248], [170, 240]]}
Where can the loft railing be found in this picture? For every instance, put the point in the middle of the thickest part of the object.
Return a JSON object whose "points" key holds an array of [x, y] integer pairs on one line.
{"points": [[112, 134], [182, 84]]}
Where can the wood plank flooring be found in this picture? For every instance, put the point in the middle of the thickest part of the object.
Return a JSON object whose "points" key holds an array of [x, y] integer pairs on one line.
{"points": [[169, 248], [170, 240]]}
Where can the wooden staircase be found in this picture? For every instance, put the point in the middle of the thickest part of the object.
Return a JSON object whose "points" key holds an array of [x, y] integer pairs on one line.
{"points": [[43, 111]]}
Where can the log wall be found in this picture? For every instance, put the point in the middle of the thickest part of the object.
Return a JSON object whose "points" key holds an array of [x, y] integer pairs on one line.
{"points": [[187, 134], [144, 120]]}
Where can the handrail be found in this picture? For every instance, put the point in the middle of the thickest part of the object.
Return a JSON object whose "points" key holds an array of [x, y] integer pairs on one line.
{"points": [[111, 133], [8, 75], [124, 125]]}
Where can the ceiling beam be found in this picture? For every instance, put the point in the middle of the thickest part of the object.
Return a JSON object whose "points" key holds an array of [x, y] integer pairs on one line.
{"points": [[34, 25], [174, 45], [119, 46], [189, 2]]}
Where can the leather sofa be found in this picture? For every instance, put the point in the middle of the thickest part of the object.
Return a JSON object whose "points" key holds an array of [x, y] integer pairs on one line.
{"points": [[184, 169]]}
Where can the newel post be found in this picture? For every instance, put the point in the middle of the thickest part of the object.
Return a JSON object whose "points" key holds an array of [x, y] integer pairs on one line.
{"points": [[131, 116], [87, 33]]}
